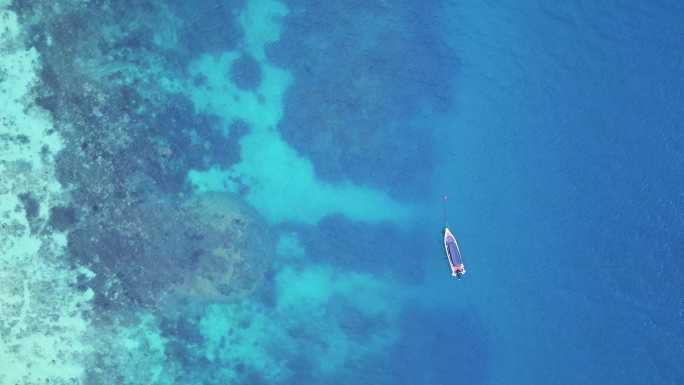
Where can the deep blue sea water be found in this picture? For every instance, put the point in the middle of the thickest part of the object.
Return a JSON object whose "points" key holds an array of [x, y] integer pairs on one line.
{"points": [[568, 115], [251, 192]]}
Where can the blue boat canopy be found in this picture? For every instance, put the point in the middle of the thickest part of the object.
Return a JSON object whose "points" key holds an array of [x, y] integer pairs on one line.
{"points": [[454, 252]]}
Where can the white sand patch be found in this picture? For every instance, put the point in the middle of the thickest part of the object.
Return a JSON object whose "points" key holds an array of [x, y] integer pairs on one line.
{"points": [[282, 183], [41, 313]]}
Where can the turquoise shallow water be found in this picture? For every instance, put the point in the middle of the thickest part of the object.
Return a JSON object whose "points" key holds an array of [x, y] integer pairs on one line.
{"points": [[250, 192]]}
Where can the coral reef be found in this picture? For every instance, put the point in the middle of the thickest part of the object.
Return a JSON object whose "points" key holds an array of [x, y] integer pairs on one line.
{"points": [[124, 266], [129, 140], [121, 142]]}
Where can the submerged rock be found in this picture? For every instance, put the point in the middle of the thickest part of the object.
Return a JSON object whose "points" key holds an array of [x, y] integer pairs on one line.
{"points": [[230, 260]]}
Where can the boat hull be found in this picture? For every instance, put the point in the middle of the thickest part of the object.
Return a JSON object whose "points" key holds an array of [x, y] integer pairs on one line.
{"points": [[453, 253]]}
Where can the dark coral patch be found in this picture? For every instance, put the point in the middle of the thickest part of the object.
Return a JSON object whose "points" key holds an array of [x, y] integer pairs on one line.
{"points": [[62, 218], [349, 245], [208, 26], [245, 73], [31, 205], [361, 78]]}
